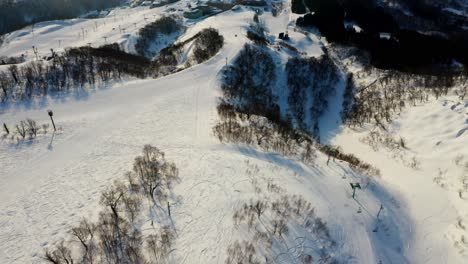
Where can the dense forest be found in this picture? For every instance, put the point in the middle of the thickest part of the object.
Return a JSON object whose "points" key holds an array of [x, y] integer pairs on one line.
{"points": [[404, 49], [17, 14]]}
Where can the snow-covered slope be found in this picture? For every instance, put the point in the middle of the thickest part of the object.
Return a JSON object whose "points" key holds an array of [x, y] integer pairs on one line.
{"points": [[121, 26], [434, 192], [48, 184]]}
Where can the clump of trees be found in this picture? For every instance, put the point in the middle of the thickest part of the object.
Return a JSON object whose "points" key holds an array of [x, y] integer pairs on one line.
{"points": [[207, 44], [169, 57], [248, 82], [377, 139], [27, 129], [272, 226], [355, 163], [256, 38], [396, 146], [158, 29], [256, 32], [4, 60], [388, 95], [237, 126], [310, 82], [116, 236], [249, 114], [153, 173]]}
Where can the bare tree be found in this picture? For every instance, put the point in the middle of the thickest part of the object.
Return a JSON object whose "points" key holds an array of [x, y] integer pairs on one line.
{"points": [[60, 255], [85, 235], [111, 198], [21, 129], [154, 172], [32, 128]]}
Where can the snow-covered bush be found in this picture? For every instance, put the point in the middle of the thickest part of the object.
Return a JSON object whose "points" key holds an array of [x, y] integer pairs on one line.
{"points": [[384, 98], [285, 228]]}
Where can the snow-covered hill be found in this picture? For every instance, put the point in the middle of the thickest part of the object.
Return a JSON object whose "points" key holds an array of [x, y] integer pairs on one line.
{"points": [[47, 185]]}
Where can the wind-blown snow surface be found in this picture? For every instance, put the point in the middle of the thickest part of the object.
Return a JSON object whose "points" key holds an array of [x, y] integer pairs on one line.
{"points": [[47, 185]]}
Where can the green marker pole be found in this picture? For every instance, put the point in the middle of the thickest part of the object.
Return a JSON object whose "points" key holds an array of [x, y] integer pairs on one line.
{"points": [[355, 186]]}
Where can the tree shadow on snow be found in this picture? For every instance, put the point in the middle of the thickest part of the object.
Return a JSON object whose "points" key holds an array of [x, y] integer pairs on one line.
{"points": [[271, 157]]}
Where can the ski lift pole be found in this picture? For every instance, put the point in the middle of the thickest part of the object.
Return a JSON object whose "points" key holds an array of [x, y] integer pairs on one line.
{"points": [[51, 114], [169, 209], [35, 52], [380, 210]]}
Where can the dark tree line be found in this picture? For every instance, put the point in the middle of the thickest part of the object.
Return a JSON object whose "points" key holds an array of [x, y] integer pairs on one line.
{"points": [[151, 32], [310, 82], [76, 68], [406, 50], [17, 14]]}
